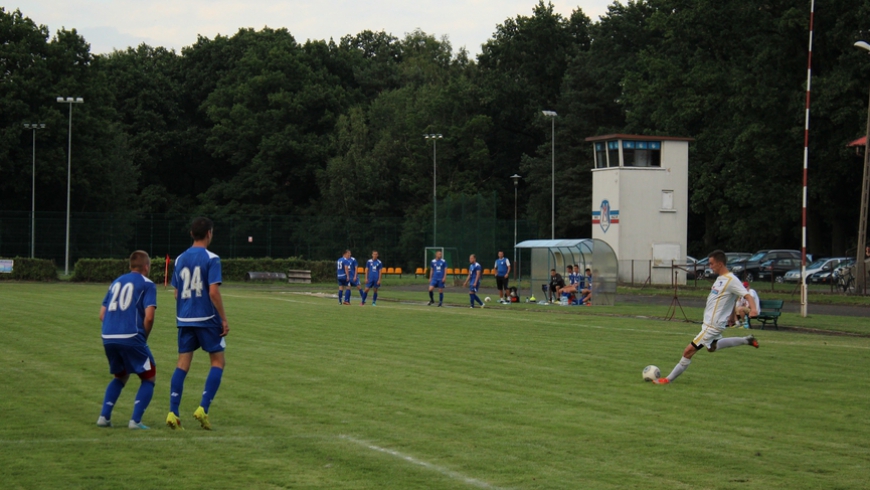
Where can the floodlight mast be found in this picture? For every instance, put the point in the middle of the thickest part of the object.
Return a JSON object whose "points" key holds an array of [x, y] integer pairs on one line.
{"points": [[70, 101], [552, 115], [434, 138]]}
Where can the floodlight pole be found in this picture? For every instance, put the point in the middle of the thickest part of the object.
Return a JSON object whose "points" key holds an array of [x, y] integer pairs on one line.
{"points": [[860, 268], [552, 115], [434, 138], [516, 178], [70, 101], [34, 127]]}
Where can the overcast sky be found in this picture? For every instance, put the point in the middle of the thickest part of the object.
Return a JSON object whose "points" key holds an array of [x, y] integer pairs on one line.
{"points": [[109, 24]]}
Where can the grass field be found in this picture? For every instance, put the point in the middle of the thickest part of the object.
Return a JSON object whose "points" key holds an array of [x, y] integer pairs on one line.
{"points": [[405, 396]]}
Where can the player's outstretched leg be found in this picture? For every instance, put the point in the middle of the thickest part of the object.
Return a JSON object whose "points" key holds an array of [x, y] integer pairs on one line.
{"points": [[678, 370], [735, 341], [113, 391]]}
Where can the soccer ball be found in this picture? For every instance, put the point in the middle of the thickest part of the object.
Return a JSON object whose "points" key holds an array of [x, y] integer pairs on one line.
{"points": [[487, 299], [651, 373]]}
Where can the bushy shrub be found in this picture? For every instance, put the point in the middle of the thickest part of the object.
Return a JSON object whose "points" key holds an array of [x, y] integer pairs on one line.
{"points": [[25, 269], [106, 270]]}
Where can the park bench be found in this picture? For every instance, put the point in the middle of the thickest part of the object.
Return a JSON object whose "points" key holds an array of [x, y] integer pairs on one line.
{"points": [[298, 277], [769, 311]]}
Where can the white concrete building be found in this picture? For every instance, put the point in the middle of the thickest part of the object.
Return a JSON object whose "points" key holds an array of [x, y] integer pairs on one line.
{"points": [[640, 203]]}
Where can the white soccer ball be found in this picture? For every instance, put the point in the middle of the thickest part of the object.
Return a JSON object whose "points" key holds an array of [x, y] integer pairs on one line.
{"points": [[487, 299], [651, 373]]}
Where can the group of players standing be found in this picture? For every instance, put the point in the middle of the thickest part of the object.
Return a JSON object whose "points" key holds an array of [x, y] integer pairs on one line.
{"points": [[127, 317]]}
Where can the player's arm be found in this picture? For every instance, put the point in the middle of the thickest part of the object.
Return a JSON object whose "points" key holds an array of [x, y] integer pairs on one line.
{"points": [[508, 273], [477, 276], [102, 312], [753, 308], [214, 292], [148, 323]]}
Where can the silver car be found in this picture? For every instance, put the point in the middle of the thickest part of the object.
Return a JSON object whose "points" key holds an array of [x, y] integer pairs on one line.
{"points": [[821, 265]]}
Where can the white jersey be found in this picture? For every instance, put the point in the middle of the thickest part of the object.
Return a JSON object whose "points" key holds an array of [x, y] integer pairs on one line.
{"points": [[720, 303]]}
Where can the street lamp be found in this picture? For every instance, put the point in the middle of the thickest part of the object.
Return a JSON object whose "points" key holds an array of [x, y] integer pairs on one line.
{"points": [[70, 101], [34, 127], [552, 115], [516, 178], [434, 138], [861, 280]]}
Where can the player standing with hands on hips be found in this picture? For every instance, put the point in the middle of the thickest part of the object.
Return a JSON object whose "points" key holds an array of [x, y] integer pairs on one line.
{"points": [[726, 290], [201, 320], [128, 315]]}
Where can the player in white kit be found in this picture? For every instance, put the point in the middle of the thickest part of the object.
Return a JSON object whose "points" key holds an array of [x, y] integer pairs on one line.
{"points": [[726, 290]]}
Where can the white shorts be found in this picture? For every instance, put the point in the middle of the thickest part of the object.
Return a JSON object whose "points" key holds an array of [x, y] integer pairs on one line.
{"points": [[708, 335]]}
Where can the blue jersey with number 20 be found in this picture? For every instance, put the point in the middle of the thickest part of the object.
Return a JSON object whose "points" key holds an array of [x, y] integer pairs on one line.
{"points": [[125, 303], [195, 271]]}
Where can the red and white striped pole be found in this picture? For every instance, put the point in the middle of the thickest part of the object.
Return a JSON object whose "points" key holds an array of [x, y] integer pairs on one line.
{"points": [[806, 158]]}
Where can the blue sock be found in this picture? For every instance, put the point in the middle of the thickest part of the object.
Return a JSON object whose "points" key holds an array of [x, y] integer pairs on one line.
{"points": [[477, 298], [362, 294], [340, 293], [471, 299], [347, 295], [113, 391], [431, 296], [375, 297], [176, 387], [440, 298], [212, 383], [143, 398]]}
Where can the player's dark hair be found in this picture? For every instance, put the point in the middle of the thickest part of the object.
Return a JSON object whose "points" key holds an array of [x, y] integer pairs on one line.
{"points": [[200, 227], [719, 256], [571, 267], [374, 251], [138, 260], [552, 270]]}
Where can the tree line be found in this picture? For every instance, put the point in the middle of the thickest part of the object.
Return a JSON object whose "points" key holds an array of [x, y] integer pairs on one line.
{"points": [[258, 123]]}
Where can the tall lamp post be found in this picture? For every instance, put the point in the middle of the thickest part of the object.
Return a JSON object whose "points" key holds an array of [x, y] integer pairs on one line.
{"points": [[70, 101], [552, 115], [34, 127], [434, 138], [861, 279], [516, 178]]}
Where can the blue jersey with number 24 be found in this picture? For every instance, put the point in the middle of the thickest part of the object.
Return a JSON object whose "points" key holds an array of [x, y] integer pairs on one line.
{"points": [[195, 270]]}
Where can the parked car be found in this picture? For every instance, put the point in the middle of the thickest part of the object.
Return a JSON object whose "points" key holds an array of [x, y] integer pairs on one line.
{"points": [[778, 268], [734, 258], [748, 270], [691, 267], [819, 266]]}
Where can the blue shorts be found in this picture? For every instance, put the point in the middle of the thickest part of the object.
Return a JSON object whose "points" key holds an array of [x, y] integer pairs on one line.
{"points": [[353, 282], [437, 284], [132, 359], [473, 288], [372, 283], [342, 281], [207, 338]]}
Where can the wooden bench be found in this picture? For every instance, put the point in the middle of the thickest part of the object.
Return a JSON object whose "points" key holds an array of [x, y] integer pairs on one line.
{"points": [[298, 277], [769, 311]]}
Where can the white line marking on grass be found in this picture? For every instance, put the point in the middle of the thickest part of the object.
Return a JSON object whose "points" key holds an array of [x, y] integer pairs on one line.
{"points": [[429, 466]]}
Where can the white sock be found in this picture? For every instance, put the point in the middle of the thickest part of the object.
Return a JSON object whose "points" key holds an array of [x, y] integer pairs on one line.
{"points": [[731, 342], [679, 368]]}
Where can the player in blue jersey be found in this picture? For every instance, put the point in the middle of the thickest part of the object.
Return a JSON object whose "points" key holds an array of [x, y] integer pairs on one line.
{"points": [[502, 277], [373, 278], [201, 320], [473, 280], [353, 278], [342, 269], [437, 275], [128, 315]]}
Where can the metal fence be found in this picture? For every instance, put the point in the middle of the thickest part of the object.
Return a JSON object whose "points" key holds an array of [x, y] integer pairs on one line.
{"points": [[399, 241]]}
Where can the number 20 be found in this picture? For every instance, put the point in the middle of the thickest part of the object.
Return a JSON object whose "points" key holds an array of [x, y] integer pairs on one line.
{"points": [[121, 296]]}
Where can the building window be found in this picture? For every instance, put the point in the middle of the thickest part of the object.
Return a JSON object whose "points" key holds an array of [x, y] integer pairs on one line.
{"points": [[667, 200], [600, 156], [642, 153], [613, 153]]}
